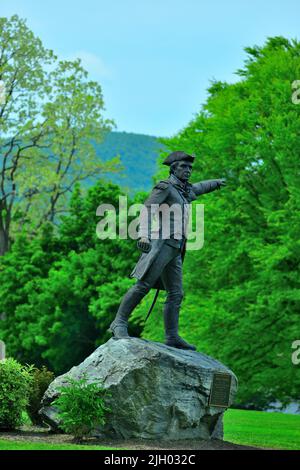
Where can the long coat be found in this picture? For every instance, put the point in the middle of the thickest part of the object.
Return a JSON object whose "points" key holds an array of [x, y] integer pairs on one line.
{"points": [[170, 191]]}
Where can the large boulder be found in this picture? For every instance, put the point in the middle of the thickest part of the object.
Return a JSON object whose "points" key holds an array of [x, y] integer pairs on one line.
{"points": [[157, 392]]}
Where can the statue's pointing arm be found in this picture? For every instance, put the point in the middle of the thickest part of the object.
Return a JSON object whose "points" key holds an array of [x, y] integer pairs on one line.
{"points": [[208, 186], [158, 196]]}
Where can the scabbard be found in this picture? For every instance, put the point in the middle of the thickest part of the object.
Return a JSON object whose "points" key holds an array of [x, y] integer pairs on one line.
{"points": [[153, 303]]}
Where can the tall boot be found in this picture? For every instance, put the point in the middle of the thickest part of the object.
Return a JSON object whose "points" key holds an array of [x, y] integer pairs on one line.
{"points": [[119, 327], [171, 317]]}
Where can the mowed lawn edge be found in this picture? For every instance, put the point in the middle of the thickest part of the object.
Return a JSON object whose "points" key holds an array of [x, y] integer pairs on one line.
{"points": [[8, 444], [262, 429], [250, 428]]}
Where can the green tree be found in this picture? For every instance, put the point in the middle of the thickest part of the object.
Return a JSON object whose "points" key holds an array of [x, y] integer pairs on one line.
{"points": [[54, 289], [47, 120]]}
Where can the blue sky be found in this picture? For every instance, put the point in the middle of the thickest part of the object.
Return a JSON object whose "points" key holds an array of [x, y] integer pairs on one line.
{"points": [[154, 58]]}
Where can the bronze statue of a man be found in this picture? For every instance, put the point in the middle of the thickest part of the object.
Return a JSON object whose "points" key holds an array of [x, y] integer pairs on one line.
{"points": [[160, 264]]}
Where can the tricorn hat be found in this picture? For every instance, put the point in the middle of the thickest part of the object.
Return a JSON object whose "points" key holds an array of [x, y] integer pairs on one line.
{"points": [[178, 156]]}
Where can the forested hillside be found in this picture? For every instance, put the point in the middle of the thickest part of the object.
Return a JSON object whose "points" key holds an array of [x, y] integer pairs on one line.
{"points": [[138, 154]]}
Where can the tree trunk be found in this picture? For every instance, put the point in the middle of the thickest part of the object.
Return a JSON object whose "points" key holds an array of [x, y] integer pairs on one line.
{"points": [[4, 241]]}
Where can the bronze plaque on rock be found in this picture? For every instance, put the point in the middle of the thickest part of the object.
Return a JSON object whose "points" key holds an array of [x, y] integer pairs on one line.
{"points": [[220, 390]]}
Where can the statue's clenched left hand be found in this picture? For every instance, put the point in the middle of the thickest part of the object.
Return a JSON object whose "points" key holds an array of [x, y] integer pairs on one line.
{"points": [[144, 244]]}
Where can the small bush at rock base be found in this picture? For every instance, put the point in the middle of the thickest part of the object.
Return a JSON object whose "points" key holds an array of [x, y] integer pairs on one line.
{"points": [[81, 407]]}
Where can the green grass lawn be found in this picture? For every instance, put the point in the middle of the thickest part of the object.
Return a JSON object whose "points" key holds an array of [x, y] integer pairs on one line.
{"points": [[253, 428], [262, 429], [21, 445]]}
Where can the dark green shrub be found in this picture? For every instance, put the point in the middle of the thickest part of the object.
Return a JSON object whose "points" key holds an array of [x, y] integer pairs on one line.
{"points": [[15, 383], [41, 379], [81, 407]]}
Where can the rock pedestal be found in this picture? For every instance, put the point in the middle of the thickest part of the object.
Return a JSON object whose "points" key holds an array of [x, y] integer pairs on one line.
{"points": [[157, 392]]}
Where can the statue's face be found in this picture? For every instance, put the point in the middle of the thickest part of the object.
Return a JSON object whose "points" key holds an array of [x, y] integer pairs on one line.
{"points": [[183, 170]]}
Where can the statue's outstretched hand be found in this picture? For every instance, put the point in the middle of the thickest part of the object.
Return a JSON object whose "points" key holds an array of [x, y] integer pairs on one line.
{"points": [[221, 182], [144, 244]]}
